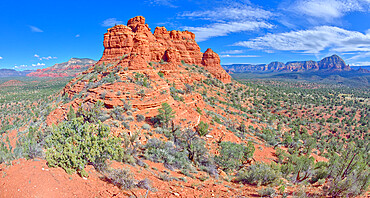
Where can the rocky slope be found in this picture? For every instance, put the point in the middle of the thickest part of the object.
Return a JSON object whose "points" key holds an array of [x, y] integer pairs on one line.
{"points": [[70, 68], [146, 70], [329, 64]]}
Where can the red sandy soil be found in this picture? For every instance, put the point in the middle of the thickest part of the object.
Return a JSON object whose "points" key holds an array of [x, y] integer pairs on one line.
{"points": [[33, 178]]}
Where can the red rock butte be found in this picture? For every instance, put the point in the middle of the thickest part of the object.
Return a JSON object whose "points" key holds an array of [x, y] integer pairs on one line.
{"points": [[134, 46]]}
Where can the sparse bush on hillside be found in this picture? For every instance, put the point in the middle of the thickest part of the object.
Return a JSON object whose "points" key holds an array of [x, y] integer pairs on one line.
{"points": [[6, 154], [73, 144], [30, 145], [167, 153], [117, 113], [267, 192], [71, 113], [122, 178], [259, 174], [232, 155], [202, 128], [349, 172], [140, 118], [90, 113], [189, 140]]}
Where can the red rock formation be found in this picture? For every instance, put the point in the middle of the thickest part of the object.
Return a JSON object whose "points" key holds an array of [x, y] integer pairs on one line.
{"points": [[211, 62], [136, 41]]}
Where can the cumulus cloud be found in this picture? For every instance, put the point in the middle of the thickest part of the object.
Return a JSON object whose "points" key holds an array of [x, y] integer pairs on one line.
{"points": [[223, 29], [312, 41], [235, 12], [1, 57], [328, 9], [35, 29], [111, 22]]}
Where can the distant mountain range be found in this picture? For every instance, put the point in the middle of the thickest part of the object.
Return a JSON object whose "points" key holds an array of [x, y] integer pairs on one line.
{"points": [[13, 73], [70, 68], [333, 63]]}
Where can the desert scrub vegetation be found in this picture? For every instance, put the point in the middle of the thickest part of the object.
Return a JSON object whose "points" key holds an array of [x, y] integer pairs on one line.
{"points": [[258, 174], [24, 108], [233, 156], [73, 144]]}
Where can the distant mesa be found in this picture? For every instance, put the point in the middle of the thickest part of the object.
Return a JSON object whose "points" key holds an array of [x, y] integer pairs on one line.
{"points": [[70, 68], [13, 73], [333, 63]]}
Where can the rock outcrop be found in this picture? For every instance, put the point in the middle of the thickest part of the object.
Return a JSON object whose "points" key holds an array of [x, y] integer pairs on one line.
{"points": [[145, 70], [135, 42]]}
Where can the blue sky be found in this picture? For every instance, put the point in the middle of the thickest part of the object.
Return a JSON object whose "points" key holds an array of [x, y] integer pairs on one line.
{"points": [[37, 34]]}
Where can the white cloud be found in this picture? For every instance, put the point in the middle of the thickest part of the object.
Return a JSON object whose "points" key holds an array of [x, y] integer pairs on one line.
{"points": [[238, 56], [111, 22], [44, 58], [328, 9], [232, 52], [167, 3], [235, 12], [360, 56], [228, 19], [29, 66], [312, 41], [77, 35], [223, 29], [35, 29], [365, 63], [1, 58], [38, 64]]}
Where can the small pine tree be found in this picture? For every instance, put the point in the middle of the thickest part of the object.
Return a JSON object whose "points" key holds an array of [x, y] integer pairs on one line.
{"points": [[165, 114]]}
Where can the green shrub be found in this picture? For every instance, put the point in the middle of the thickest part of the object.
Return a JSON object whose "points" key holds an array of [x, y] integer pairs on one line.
{"points": [[140, 118], [117, 113], [146, 127], [259, 174], [267, 192], [202, 128], [122, 178], [73, 144], [91, 113], [349, 174], [6, 154], [167, 153], [233, 155], [30, 146]]}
